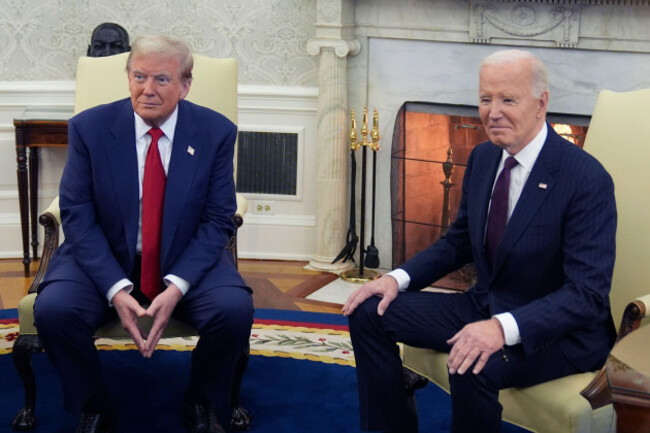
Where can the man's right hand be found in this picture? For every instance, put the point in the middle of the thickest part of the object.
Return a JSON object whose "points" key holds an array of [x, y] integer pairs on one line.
{"points": [[384, 287], [129, 310]]}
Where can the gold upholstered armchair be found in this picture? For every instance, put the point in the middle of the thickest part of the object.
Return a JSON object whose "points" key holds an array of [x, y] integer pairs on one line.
{"points": [[618, 137], [101, 80]]}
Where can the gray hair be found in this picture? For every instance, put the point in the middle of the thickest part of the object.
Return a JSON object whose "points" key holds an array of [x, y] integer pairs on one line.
{"points": [[539, 77], [166, 46]]}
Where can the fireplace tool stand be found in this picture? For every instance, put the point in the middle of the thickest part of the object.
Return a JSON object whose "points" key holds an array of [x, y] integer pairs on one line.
{"points": [[361, 275]]}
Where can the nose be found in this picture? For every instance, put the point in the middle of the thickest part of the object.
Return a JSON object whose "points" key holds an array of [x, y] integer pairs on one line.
{"points": [[149, 86], [495, 110]]}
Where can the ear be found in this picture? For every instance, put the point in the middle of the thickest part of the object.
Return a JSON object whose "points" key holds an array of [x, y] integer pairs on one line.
{"points": [[185, 88], [542, 104]]}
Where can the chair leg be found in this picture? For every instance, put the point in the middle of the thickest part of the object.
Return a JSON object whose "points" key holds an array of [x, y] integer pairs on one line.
{"points": [[23, 348], [241, 418]]}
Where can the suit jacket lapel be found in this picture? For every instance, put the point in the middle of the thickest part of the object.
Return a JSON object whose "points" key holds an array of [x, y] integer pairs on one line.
{"points": [[180, 175], [123, 161], [539, 185]]}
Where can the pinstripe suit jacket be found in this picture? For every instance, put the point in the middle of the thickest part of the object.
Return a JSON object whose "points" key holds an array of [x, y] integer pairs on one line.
{"points": [[553, 267]]}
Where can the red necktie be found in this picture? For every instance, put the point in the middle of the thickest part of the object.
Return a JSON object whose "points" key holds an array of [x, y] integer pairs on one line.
{"points": [[498, 216], [153, 195]]}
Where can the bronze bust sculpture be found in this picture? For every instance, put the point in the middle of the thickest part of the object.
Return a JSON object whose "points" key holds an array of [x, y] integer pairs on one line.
{"points": [[108, 39]]}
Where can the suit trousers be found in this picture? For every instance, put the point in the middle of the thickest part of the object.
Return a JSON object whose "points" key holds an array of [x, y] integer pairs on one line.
{"points": [[428, 320], [68, 313]]}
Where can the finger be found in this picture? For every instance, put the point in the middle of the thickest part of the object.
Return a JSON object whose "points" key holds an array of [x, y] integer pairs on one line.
{"points": [[152, 342], [480, 363], [453, 340], [466, 360], [137, 339], [457, 355], [354, 300], [152, 310], [454, 360], [385, 302]]}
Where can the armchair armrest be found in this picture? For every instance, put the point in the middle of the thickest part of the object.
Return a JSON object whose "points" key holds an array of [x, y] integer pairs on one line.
{"points": [[50, 219], [597, 392], [635, 311]]}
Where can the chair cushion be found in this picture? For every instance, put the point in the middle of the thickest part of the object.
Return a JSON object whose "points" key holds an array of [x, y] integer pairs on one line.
{"points": [[26, 315], [554, 407]]}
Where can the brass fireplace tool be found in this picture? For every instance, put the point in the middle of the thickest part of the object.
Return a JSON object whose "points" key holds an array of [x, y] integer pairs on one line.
{"points": [[361, 275]]}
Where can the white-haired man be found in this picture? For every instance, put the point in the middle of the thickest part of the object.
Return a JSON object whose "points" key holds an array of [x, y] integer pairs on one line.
{"points": [[537, 217], [146, 225]]}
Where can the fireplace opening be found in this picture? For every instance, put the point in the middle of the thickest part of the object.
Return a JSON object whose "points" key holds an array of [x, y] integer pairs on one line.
{"points": [[431, 145]]}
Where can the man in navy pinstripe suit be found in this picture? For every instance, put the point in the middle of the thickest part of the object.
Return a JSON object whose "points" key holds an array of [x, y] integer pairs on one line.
{"points": [[540, 307]]}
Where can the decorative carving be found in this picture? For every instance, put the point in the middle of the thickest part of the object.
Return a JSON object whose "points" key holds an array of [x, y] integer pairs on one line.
{"points": [[341, 47], [537, 21], [328, 11]]}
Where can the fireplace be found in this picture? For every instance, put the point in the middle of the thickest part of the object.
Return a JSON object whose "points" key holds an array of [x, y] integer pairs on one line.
{"points": [[431, 145]]}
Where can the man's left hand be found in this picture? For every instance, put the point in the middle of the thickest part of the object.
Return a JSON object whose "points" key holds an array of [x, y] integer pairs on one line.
{"points": [[475, 342], [161, 310]]}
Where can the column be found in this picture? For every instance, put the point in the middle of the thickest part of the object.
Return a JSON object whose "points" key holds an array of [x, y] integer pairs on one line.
{"points": [[333, 41]]}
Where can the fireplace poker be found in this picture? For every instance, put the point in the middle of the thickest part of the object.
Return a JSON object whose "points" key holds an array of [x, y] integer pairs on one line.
{"points": [[372, 253], [347, 253]]}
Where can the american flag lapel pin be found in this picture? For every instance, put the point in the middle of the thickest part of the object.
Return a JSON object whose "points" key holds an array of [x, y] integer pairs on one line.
{"points": [[190, 150], [542, 185]]}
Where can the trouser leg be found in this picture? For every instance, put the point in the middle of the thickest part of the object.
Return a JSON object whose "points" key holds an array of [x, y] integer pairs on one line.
{"points": [[223, 317], [475, 397], [417, 318], [66, 315]]}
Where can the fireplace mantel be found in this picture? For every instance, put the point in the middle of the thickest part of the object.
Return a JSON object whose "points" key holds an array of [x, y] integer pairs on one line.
{"points": [[613, 25]]}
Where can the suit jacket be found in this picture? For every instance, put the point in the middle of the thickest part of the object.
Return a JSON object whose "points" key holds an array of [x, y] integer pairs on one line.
{"points": [[553, 267], [99, 199]]}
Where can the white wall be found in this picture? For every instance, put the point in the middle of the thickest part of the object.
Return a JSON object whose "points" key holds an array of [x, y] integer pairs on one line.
{"points": [[285, 233]]}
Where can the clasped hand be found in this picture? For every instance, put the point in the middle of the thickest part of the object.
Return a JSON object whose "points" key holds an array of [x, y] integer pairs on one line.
{"points": [[129, 310]]}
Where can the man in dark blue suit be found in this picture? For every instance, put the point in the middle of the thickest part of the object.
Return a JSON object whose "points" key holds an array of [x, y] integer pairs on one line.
{"points": [[540, 307], [98, 273]]}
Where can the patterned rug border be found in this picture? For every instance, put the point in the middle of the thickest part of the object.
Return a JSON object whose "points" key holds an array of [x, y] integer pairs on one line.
{"points": [[319, 342]]}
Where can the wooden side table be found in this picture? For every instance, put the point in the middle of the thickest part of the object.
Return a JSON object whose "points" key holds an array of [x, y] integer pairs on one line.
{"points": [[628, 379], [33, 134]]}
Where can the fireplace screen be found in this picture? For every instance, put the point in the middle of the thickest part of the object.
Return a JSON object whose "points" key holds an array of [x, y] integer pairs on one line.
{"points": [[430, 149]]}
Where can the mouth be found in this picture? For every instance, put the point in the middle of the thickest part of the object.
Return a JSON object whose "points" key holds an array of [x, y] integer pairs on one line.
{"points": [[497, 129], [148, 104]]}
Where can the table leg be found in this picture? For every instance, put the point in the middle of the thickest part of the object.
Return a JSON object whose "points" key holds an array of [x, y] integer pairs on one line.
{"points": [[33, 197], [21, 159]]}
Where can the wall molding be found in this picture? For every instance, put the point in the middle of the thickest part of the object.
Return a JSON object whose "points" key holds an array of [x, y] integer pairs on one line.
{"points": [[263, 107], [611, 25]]}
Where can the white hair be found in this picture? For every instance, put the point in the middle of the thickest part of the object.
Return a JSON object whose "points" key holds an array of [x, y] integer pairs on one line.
{"points": [[538, 71]]}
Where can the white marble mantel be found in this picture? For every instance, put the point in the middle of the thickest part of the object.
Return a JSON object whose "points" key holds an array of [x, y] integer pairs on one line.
{"points": [[429, 50]]}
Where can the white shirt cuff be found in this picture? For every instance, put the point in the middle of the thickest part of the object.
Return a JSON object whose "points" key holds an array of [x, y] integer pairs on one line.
{"points": [[510, 328], [182, 285], [123, 284], [402, 277]]}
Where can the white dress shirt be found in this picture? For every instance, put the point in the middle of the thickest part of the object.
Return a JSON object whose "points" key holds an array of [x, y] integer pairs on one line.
{"points": [[142, 143], [526, 158]]}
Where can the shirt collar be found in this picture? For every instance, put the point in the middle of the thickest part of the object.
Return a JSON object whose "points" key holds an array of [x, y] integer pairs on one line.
{"points": [[527, 156], [168, 127]]}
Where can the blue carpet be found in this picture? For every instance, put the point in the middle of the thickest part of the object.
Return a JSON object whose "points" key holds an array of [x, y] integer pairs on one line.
{"points": [[283, 394]]}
